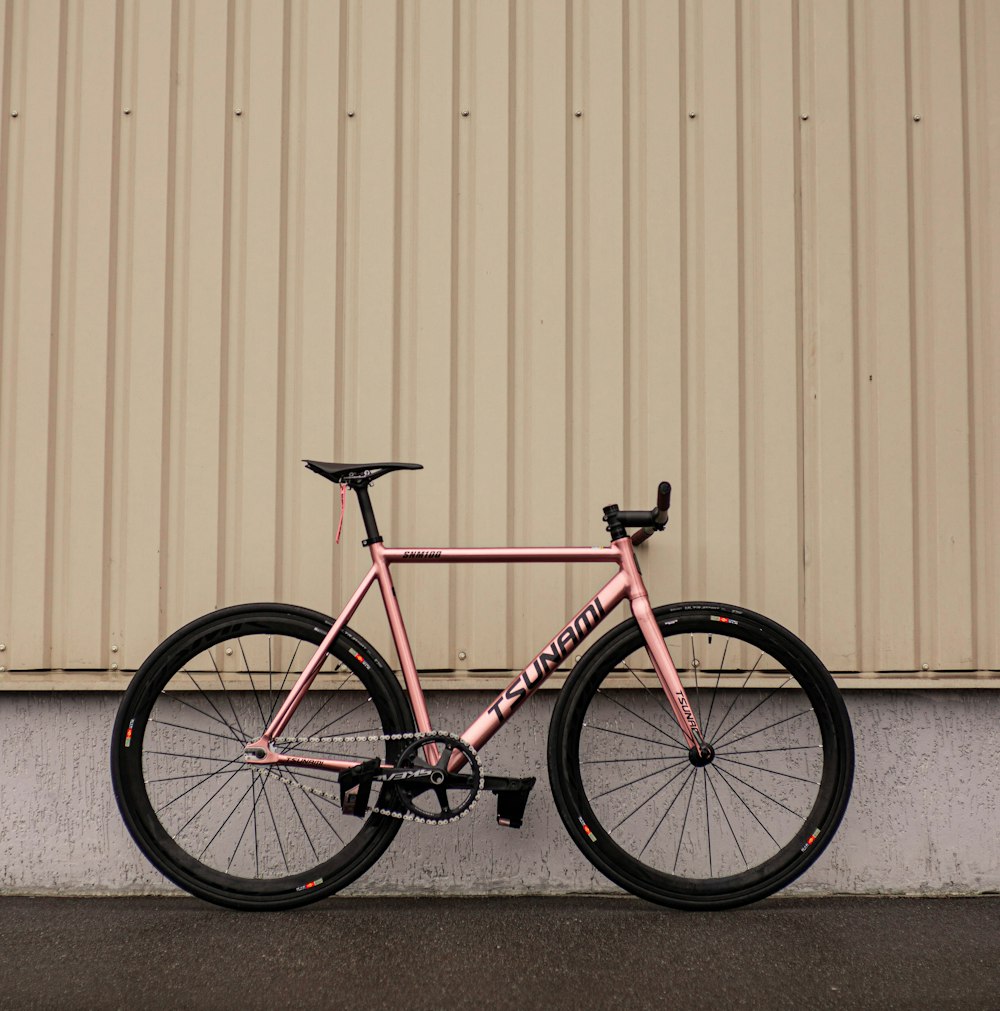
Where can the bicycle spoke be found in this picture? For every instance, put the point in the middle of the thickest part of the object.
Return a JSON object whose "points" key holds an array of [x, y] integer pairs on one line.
{"points": [[663, 816], [653, 726], [343, 716], [608, 761], [722, 808], [739, 694], [708, 822], [199, 758], [298, 814], [277, 834], [657, 698], [715, 691], [246, 825], [639, 779], [330, 697], [753, 814], [727, 773], [227, 696], [203, 779], [774, 772], [777, 723], [284, 679], [201, 712], [687, 811], [642, 804], [209, 801], [621, 733], [312, 800], [750, 712], [201, 692], [253, 687], [194, 730]]}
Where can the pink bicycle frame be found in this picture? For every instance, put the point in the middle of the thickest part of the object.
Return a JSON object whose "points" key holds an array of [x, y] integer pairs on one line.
{"points": [[626, 584]]}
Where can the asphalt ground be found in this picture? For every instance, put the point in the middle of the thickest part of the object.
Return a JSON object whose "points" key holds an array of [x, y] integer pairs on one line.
{"points": [[540, 952]]}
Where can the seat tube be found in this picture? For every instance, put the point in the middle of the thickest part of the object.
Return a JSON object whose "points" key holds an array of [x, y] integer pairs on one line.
{"points": [[657, 650]]}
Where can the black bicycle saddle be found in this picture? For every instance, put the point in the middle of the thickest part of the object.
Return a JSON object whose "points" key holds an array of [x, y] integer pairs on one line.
{"points": [[357, 474]]}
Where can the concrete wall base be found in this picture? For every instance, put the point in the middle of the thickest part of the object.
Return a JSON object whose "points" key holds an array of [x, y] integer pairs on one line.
{"points": [[922, 818]]}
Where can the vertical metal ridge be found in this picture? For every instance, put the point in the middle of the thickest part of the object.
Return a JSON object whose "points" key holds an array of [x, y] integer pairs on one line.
{"points": [[225, 323], [916, 427], [52, 420], [860, 594], [963, 39], [112, 328], [339, 340], [453, 344], [170, 231], [627, 468], [683, 309], [741, 297], [511, 298], [568, 286], [397, 244], [800, 456], [281, 393]]}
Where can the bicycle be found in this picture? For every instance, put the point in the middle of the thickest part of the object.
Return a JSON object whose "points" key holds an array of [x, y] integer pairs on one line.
{"points": [[265, 756]]}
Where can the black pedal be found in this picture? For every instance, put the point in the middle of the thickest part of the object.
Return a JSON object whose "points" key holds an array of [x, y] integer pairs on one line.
{"points": [[356, 787], [512, 798]]}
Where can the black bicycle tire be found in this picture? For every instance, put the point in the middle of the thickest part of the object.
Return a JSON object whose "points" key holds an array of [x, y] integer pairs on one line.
{"points": [[665, 889], [350, 649]]}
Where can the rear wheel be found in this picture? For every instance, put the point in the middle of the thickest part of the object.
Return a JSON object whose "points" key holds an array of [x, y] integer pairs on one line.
{"points": [[254, 837], [702, 831]]}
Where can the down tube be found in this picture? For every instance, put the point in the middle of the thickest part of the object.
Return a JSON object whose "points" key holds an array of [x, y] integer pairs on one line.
{"points": [[538, 671]]}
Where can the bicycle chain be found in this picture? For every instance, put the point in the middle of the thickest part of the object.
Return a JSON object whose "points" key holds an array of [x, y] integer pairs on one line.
{"points": [[374, 738]]}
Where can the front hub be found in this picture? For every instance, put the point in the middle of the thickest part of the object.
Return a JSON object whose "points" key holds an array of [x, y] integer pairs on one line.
{"points": [[705, 758]]}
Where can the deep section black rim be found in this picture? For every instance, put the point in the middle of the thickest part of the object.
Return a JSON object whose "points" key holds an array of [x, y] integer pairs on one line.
{"points": [[217, 825], [664, 823]]}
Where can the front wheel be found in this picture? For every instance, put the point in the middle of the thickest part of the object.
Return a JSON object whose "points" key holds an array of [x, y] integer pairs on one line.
{"points": [[668, 825]]}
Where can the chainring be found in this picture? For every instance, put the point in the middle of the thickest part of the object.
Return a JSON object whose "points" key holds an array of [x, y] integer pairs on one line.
{"points": [[443, 796]]}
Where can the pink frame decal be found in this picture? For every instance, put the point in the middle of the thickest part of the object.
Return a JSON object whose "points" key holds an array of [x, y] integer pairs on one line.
{"points": [[626, 584]]}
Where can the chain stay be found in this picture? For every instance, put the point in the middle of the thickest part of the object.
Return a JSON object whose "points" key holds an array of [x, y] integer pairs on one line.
{"points": [[373, 738]]}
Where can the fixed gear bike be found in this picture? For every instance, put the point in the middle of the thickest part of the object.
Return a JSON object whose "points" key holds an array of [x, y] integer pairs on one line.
{"points": [[700, 755]]}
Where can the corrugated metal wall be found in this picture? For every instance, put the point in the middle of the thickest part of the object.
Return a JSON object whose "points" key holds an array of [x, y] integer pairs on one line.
{"points": [[555, 251]]}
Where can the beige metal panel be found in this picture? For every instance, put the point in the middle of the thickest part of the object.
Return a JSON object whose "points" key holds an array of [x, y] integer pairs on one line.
{"points": [[314, 264], [655, 222], [940, 339], [195, 458], [712, 485], [425, 350], [770, 374], [79, 491], [829, 370], [484, 280], [885, 400], [295, 244], [143, 234], [251, 392], [981, 43], [594, 363], [541, 304], [31, 298]]}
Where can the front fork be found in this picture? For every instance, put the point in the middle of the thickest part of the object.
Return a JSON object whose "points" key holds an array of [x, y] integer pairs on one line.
{"points": [[668, 677]]}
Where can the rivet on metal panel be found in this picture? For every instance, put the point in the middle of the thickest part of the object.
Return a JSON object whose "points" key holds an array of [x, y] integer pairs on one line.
{"points": [[805, 116], [925, 666], [13, 113], [461, 654], [127, 111], [691, 115], [3, 646], [465, 112], [916, 118], [577, 659], [237, 111], [578, 113], [114, 648], [229, 651], [350, 114], [2, 669], [114, 666]]}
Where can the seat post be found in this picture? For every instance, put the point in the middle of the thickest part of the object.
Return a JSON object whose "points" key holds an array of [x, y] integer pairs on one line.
{"points": [[368, 515]]}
